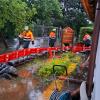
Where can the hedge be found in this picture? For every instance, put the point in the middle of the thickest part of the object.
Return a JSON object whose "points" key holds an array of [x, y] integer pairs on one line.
{"points": [[85, 30]]}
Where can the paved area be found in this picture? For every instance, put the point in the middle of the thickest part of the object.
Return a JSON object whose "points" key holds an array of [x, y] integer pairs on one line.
{"points": [[39, 42]]}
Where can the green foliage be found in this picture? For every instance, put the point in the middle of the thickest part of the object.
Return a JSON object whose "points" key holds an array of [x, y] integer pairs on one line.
{"points": [[85, 30], [47, 11], [47, 68], [74, 15], [14, 15], [67, 59]]}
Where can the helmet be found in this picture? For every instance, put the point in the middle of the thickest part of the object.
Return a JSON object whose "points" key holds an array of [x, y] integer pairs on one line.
{"points": [[87, 36], [26, 28], [54, 29]]}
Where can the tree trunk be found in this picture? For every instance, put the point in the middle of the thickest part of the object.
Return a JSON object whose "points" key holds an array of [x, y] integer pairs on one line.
{"points": [[4, 41]]}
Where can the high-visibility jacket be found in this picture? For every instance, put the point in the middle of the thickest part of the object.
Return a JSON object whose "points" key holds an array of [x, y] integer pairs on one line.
{"points": [[52, 35], [28, 35]]}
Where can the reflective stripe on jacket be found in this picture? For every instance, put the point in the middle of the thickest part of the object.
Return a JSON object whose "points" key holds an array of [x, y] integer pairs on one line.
{"points": [[27, 35]]}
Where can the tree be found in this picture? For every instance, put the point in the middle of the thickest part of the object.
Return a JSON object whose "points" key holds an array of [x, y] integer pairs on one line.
{"points": [[47, 11], [73, 15], [14, 15]]}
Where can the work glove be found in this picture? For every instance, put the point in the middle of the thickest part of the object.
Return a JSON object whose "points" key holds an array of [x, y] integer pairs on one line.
{"points": [[32, 42]]}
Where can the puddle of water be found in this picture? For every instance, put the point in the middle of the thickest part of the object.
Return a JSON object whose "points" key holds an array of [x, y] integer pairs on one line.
{"points": [[24, 73], [36, 95], [12, 91], [27, 88], [23, 90]]}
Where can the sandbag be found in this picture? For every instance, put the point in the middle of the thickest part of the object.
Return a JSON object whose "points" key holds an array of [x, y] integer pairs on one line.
{"points": [[7, 71]]}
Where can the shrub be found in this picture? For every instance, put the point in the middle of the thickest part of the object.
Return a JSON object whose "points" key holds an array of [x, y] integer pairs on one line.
{"points": [[84, 30], [70, 60]]}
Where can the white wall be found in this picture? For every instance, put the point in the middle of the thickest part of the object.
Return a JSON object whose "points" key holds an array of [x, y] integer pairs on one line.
{"points": [[97, 74]]}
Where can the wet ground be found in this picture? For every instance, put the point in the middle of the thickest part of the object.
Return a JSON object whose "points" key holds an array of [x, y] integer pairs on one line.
{"points": [[38, 42], [27, 86], [13, 44], [19, 90]]}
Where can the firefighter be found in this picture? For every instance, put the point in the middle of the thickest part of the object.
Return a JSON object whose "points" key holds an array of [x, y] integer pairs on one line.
{"points": [[87, 40], [26, 37], [52, 38]]}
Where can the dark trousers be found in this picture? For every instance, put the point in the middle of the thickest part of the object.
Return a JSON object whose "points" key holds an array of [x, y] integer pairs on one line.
{"points": [[66, 44], [52, 42], [24, 43], [87, 42]]}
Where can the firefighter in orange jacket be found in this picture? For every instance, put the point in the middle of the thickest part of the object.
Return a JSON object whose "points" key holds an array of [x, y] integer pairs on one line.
{"points": [[26, 37], [52, 38], [87, 40]]}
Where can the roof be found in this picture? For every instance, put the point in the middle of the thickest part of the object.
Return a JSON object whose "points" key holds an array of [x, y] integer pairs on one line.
{"points": [[89, 6]]}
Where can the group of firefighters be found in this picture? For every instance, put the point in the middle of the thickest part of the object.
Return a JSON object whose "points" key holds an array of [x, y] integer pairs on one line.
{"points": [[27, 36]]}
